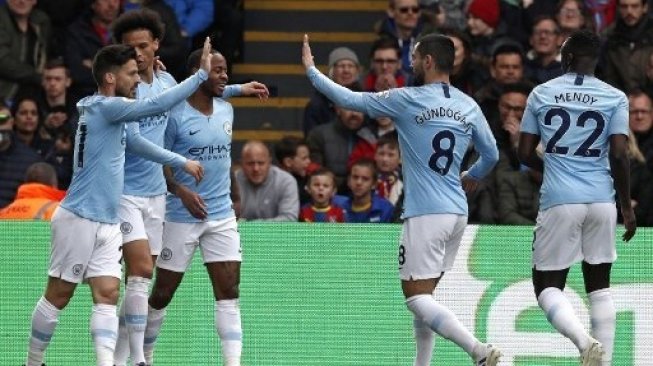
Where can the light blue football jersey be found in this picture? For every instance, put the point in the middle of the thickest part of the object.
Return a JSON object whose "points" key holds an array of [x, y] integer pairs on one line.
{"points": [[436, 123], [144, 177], [206, 139], [99, 155], [575, 115]]}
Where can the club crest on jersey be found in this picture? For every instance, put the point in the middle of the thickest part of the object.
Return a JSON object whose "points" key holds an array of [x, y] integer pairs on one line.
{"points": [[126, 227], [166, 254], [227, 127], [77, 269], [385, 94]]}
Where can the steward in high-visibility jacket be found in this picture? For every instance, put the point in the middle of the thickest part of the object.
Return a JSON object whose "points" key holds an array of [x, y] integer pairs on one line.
{"points": [[34, 201]]}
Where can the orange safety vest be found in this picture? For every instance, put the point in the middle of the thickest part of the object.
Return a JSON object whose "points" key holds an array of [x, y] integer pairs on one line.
{"points": [[34, 201]]}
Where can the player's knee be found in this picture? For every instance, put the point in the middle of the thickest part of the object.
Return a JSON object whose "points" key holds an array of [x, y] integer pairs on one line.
{"points": [[143, 270], [106, 295], [161, 296]]}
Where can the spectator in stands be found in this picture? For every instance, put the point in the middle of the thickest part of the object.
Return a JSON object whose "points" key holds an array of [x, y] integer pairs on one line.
{"points": [[573, 15], [84, 38], [628, 47], [61, 14], [385, 71], [512, 104], [293, 156], [173, 47], [344, 69], [402, 23], [648, 84], [27, 123], [332, 144], [432, 14], [193, 16], [55, 102], [388, 166], [24, 46], [640, 184], [467, 75], [507, 67], [38, 197], [321, 186], [382, 126], [453, 12], [602, 12], [518, 196], [54, 144], [641, 121], [483, 18], [363, 205], [266, 192], [543, 60], [227, 30], [15, 158]]}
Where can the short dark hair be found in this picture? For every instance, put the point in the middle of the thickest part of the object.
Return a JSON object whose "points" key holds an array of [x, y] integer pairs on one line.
{"points": [[583, 43], [385, 43], [506, 46], [54, 63], [136, 20], [287, 147], [520, 87], [193, 61], [389, 139], [365, 162], [109, 58], [322, 171], [440, 48]]}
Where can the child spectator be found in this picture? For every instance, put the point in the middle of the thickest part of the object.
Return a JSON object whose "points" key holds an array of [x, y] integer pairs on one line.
{"points": [[321, 186], [387, 158], [364, 206]]}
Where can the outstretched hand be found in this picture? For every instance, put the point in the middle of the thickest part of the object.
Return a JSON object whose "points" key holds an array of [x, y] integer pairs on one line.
{"points": [[254, 88], [307, 56], [205, 61]]}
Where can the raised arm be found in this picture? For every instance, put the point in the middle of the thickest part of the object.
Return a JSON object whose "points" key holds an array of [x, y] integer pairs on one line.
{"points": [[123, 109]]}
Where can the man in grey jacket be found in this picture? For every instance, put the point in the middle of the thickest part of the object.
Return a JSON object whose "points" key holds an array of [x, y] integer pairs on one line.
{"points": [[266, 192]]}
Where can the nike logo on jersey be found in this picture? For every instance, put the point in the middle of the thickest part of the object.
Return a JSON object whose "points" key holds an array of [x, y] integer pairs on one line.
{"points": [[193, 132]]}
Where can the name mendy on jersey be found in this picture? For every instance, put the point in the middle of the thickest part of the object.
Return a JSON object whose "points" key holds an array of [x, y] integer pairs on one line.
{"points": [[576, 97], [441, 112], [211, 152]]}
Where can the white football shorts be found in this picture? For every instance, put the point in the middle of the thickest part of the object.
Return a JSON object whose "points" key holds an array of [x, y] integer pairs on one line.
{"points": [[570, 233], [141, 218], [219, 241], [82, 248], [429, 244]]}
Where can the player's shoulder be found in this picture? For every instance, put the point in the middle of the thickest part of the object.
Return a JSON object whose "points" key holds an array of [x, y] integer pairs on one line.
{"points": [[166, 78]]}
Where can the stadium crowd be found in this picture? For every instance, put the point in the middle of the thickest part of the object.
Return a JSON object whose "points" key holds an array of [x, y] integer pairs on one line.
{"points": [[347, 168]]}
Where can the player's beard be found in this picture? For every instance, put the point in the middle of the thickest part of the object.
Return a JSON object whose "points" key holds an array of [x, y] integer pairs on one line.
{"points": [[418, 80]]}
